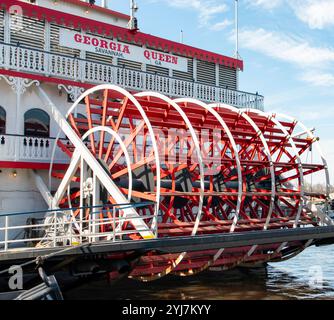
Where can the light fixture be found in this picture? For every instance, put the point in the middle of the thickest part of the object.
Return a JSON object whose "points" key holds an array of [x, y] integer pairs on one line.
{"points": [[14, 173]]}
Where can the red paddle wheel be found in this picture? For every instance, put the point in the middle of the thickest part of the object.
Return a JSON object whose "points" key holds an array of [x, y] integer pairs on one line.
{"points": [[196, 169]]}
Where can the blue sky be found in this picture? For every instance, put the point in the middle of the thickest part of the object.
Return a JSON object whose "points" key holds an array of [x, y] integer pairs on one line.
{"points": [[287, 47]]}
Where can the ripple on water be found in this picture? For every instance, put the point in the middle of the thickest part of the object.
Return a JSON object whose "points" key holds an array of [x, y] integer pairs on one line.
{"points": [[292, 279]]}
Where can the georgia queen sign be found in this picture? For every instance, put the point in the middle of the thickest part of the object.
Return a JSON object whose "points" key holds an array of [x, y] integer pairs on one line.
{"points": [[77, 40]]}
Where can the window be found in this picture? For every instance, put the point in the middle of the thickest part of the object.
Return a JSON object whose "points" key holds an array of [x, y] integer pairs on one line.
{"points": [[2, 120], [36, 123]]}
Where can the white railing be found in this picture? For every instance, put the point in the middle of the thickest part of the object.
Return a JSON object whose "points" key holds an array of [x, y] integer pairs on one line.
{"points": [[35, 61], [29, 149], [59, 228]]}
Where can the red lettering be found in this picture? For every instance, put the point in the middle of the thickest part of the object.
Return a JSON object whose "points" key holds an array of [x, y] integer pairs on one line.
{"points": [[147, 54], [86, 40], [107, 44], [126, 49], [104, 44], [112, 46], [78, 37], [95, 42], [154, 55]]}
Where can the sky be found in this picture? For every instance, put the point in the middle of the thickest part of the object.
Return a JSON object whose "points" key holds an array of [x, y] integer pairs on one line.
{"points": [[287, 47]]}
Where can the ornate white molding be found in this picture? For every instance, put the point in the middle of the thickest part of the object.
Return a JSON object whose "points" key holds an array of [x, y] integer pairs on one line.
{"points": [[73, 91], [19, 85]]}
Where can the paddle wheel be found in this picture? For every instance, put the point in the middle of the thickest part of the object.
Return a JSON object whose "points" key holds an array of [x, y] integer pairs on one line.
{"points": [[187, 168]]}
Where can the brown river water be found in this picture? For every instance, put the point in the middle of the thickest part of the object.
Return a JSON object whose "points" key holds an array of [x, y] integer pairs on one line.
{"points": [[310, 275]]}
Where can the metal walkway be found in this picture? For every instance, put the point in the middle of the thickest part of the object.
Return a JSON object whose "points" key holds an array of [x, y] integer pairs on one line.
{"points": [[179, 244]]}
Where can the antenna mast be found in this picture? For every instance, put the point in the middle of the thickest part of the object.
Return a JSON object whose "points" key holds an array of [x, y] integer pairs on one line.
{"points": [[236, 54], [236, 8], [133, 23]]}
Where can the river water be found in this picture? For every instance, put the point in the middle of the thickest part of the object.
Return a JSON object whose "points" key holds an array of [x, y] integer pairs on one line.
{"points": [[310, 275]]}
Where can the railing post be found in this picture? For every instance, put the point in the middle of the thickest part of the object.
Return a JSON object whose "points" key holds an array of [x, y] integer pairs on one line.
{"points": [[75, 67], [256, 101], [83, 70], [262, 104], [46, 63], [195, 89], [144, 82], [217, 91], [120, 76], [155, 86], [114, 75], [6, 232], [7, 56], [78, 68], [55, 228], [170, 86], [18, 57], [17, 148], [113, 222]]}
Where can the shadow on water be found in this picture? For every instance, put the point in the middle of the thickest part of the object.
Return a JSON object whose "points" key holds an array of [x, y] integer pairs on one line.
{"points": [[308, 276]]}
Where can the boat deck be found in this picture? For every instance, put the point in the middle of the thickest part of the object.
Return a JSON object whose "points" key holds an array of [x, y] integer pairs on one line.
{"points": [[324, 234]]}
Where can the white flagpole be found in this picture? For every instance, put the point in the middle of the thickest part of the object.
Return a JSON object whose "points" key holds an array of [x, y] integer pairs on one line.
{"points": [[236, 54], [236, 29]]}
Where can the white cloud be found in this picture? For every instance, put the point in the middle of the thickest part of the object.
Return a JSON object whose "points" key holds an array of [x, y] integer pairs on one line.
{"points": [[286, 48], [319, 78], [310, 59], [206, 9], [221, 25], [318, 14], [315, 113], [266, 4]]}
